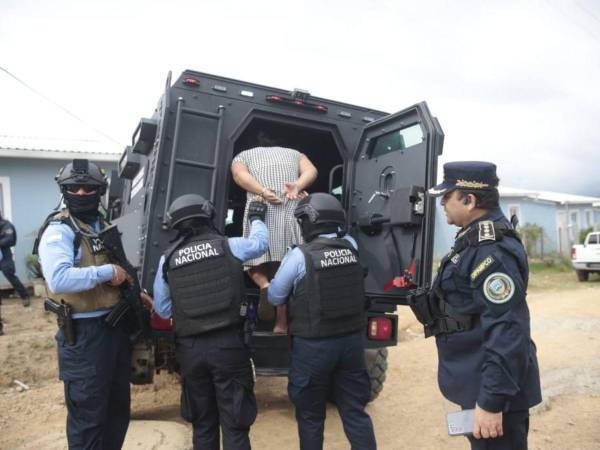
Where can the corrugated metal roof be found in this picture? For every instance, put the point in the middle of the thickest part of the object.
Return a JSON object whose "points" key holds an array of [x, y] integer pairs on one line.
{"points": [[555, 197], [56, 148]]}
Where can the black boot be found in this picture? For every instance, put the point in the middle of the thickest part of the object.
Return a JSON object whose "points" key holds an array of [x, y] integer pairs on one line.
{"points": [[26, 302]]}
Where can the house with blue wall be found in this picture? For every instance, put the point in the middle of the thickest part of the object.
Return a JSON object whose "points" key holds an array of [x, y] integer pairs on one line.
{"points": [[560, 216], [28, 192]]}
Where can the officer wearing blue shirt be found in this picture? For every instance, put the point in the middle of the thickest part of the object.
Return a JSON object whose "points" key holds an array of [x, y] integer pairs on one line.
{"points": [[200, 285], [478, 312], [95, 368], [322, 282]]}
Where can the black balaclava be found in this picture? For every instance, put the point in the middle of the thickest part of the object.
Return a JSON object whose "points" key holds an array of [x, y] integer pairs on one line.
{"points": [[83, 207]]}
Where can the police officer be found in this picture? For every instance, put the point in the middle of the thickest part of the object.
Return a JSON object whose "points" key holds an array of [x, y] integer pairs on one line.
{"points": [[96, 368], [478, 312], [8, 239], [324, 282], [200, 284]]}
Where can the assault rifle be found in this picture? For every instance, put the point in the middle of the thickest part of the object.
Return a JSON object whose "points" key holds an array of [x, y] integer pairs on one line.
{"points": [[130, 303]]}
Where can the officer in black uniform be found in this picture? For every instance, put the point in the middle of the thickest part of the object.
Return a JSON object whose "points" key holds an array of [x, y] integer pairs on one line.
{"points": [[200, 284], [477, 311], [8, 239], [95, 366], [324, 282]]}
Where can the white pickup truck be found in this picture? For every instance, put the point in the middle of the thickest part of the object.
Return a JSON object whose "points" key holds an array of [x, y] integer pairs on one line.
{"points": [[585, 258]]}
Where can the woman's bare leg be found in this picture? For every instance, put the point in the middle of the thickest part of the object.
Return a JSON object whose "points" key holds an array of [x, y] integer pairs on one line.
{"points": [[260, 276], [281, 324]]}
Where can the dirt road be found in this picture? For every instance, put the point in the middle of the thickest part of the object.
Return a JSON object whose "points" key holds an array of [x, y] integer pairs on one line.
{"points": [[408, 415]]}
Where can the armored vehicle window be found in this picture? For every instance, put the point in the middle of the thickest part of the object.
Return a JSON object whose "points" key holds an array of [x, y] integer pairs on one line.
{"points": [[396, 140]]}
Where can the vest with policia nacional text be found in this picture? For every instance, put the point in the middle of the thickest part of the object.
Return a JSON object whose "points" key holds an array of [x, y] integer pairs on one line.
{"points": [[206, 283], [330, 299], [93, 253]]}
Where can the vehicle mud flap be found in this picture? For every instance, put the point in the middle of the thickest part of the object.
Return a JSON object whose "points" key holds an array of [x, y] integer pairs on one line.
{"points": [[244, 401], [187, 406]]}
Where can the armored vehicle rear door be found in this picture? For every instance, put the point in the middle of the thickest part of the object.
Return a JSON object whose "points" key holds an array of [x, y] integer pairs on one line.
{"points": [[389, 214]]}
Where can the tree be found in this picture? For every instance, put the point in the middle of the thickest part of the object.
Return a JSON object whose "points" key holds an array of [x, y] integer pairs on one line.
{"points": [[583, 234], [532, 234]]}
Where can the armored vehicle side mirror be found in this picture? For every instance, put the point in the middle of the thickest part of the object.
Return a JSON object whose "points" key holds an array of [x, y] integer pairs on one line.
{"points": [[143, 137], [129, 164]]}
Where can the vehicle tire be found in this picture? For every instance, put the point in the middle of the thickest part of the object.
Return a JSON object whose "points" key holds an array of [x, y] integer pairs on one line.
{"points": [[582, 275], [377, 365]]}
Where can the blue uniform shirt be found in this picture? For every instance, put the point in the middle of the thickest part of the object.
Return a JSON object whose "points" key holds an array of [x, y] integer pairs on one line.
{"points": [[493, 364], [291, 271], [58, 265], [242, 248]]}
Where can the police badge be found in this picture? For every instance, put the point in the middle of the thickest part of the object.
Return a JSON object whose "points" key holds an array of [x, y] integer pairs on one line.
{"points": [[498, 288]]}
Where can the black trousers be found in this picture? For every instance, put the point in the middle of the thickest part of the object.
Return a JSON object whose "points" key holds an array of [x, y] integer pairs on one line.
{"points": [[515, 426], [217, 389], [7, 266], [96, 372], [331, 368]]}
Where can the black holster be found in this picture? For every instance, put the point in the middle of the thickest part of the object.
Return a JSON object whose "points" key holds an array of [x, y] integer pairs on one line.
{"points": [[436, 315], [64, 318]]}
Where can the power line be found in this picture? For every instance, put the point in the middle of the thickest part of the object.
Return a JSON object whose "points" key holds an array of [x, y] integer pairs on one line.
{"points": [[62, 108]]}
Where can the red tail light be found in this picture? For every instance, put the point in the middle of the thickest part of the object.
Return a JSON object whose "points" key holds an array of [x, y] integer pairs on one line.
{"points": [[191, 82], [379, 329], [573, 253], [160, 324]]}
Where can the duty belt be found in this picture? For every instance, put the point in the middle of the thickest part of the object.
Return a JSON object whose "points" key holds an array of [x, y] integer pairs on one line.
{"points": [[430, 308]]}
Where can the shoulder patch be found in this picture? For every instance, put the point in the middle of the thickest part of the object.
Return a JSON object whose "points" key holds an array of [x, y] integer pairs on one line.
{"points": [[498, 288], [456, 258], [486, 231], [487, 262]]}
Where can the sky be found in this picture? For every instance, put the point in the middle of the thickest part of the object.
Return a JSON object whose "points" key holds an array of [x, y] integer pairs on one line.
{"points": [[513, 82]]}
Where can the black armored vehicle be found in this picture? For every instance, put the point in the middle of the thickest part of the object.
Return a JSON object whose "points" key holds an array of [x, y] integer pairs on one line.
{"points": [[378, 164]]}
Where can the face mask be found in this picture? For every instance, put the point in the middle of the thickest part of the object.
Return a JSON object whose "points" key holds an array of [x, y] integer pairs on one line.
{"points": [[84, 207]]}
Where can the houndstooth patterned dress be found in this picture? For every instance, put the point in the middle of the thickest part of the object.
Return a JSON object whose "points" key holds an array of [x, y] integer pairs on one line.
{"points": [[272, 167]]}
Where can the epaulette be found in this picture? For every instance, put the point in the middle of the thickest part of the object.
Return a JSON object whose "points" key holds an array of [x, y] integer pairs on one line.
{"points": [[487, 231]]}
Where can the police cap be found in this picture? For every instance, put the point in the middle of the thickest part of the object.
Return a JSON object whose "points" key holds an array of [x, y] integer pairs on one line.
{"points": [[189, 206], [469, 175]]}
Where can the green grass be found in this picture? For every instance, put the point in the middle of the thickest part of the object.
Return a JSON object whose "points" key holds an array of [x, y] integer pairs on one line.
{"points": [[550, 267]]}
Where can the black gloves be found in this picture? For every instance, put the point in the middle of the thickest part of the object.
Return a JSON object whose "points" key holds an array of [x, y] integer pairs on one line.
{"points": [[257, 210]]}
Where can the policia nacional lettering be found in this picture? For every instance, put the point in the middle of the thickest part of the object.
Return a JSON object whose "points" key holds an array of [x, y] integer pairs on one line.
{"points": [[196, 252], [341, 257]]}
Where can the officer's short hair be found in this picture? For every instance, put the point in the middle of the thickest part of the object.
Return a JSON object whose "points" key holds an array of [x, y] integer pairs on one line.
{"points": [[487, 199]]}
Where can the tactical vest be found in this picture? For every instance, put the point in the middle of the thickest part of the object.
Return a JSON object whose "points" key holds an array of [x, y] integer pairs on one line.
{"points": [[431, 309], [206, 283], [93, 253], [330, 299]]}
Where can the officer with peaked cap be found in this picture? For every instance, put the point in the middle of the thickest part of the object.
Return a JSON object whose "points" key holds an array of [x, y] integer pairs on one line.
{"points": [[96, 367], [200, 285], [324, 282], [477, 311]]}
